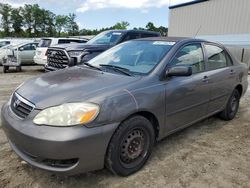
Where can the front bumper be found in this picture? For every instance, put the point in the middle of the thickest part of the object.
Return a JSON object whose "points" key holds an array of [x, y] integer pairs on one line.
{"points": [[66, 150]]}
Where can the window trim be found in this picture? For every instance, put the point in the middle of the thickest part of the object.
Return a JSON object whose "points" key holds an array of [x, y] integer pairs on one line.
{"points": [[183, 46], [225, 52]]}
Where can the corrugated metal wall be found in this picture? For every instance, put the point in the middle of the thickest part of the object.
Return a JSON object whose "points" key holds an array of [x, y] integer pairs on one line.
{"points": [[241, 53], [214, 17]]}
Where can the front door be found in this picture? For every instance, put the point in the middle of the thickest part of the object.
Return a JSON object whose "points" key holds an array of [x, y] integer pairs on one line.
{"points": [[27, 53], [187, 97]]}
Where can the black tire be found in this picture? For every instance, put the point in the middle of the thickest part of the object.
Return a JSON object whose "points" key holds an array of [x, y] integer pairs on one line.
{"points": [[130, 146], [18, 68], [5, 69], [232, 106]]}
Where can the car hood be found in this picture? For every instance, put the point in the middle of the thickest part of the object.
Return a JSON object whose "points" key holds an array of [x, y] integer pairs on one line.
{"points": [[71, 85], [75, 47]]}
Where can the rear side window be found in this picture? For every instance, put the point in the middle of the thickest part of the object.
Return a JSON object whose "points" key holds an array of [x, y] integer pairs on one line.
{"points": [[44, 43], [217, 58], [190, 55]]}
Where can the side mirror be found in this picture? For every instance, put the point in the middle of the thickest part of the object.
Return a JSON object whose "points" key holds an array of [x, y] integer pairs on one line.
{"points": [[179, 71], [20, 49]]}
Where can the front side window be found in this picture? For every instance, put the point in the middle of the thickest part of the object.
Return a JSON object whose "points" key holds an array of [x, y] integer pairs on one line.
{"points": [[27, 47], [136, 56], [216, 57], [190, 55]]}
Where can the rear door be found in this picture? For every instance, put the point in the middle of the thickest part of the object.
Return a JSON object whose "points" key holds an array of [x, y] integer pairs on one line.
{"points": [[220, 76], [187, 97]]}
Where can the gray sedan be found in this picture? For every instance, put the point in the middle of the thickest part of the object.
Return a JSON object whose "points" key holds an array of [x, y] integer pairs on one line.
{"points": [[111, 111]]}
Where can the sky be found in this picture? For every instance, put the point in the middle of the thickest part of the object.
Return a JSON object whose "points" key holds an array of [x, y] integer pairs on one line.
{"points": [[95, 14]]}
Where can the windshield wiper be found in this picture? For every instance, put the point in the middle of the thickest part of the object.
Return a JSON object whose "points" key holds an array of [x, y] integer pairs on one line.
{"points": [[119, 69], [92, 66]]}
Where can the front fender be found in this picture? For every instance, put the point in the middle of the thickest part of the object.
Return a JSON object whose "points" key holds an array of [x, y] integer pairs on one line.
{"points": [[116, 108]]}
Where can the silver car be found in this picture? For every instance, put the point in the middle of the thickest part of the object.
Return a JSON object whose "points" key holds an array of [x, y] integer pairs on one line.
{"points": [[18, 55], [111, 111]]}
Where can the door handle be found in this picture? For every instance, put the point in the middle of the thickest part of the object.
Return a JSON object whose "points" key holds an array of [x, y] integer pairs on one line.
{"points": [[232, 72], [205, 79]]}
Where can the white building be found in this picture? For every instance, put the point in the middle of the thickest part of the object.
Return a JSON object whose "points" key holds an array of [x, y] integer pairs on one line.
{"points": [[224, 21]]}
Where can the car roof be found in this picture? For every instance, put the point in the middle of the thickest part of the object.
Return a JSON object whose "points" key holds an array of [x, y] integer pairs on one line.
{"points": [[172, 39], [134, 30], [59, 38]]}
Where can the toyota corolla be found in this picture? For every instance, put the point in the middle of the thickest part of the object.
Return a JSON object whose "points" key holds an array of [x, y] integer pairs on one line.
{"points": [[110, 111]]}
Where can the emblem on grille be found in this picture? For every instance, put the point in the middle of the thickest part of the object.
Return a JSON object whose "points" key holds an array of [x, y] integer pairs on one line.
{"points": [[17, 102], [53, 53]]}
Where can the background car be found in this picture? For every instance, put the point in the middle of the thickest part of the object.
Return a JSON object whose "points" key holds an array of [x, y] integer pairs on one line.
{"points": [[40, 57], [4, 43], [66, 55], [18, 55], [3, 52]]}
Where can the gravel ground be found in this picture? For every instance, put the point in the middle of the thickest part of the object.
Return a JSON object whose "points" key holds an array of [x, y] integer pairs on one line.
{"points": [[212, 153]]}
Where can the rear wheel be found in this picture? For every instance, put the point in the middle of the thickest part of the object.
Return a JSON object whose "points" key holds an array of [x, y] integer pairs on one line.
{"points": [[130, 146], [232, 106], [5, 69], [18, 68]]}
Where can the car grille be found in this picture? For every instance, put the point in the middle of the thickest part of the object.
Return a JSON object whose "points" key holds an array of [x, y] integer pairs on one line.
{"points": [[20, 106], [57, 58]]}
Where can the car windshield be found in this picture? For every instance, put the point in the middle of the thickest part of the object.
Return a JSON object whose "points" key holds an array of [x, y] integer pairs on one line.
{"points": [[44, 43], [106, 38], [138, 57]]}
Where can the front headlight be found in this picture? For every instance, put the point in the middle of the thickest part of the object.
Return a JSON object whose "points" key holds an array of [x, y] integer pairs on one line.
{"points": [[75, 53], [68, 114]]}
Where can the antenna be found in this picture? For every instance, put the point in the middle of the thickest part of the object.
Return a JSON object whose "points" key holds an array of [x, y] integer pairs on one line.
{"points": [[198, 30]]}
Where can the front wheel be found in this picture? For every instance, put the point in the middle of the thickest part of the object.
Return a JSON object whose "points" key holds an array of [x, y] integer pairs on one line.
{"points": [[232, 106], [130, 146]]}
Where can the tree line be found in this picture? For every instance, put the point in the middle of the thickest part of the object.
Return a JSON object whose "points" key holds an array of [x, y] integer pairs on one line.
{"points": [[34, 21]]}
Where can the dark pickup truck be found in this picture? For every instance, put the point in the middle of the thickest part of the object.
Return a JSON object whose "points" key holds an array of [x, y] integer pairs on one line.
{"points": [[67, 55]]}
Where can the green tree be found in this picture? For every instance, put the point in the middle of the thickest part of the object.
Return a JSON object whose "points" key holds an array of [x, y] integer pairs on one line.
{"points": [[150, 26], [60, 23], [50, 22], [36, 13], [73, 28], [5, 11], [121, 25], [17, 21], [28, 18], [163, 30]]}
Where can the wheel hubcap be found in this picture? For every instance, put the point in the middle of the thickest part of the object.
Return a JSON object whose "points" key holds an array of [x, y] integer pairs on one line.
{"points": [[234, 103], [132, 146]]}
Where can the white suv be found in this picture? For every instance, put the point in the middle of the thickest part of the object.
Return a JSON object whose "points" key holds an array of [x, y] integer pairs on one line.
{"points": [[41, 51]]}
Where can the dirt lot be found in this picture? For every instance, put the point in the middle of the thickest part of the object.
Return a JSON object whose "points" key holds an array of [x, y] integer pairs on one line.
{"points": [[212, 153]]}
